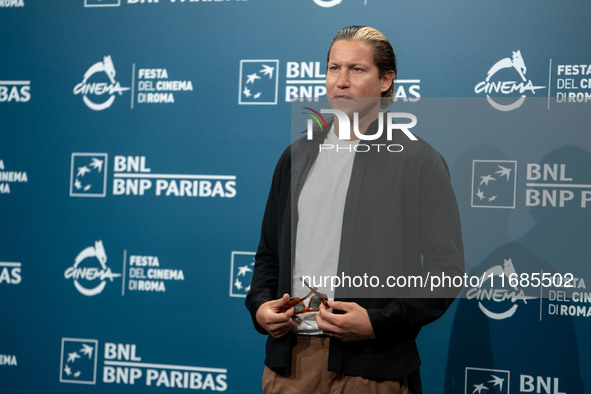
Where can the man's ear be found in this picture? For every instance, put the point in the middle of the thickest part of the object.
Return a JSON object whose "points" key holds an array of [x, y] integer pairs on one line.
{"points": [[387, 80]]}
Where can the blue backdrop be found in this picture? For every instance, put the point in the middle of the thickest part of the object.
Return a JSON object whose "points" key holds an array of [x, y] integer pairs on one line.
{"points": [[138, 139]]}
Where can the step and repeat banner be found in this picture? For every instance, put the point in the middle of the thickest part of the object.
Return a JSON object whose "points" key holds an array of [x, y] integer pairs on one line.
{"points": [[137, 143]]}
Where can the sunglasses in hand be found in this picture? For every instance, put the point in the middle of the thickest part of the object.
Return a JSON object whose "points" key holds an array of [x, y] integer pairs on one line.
{"points": [[313, 304]]}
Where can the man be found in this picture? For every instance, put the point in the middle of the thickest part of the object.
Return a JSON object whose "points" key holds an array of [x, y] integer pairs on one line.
{"points": [[333, 213]]}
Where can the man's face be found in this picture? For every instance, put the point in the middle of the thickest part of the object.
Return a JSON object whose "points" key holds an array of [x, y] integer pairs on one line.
{"points": [[351, 75]]}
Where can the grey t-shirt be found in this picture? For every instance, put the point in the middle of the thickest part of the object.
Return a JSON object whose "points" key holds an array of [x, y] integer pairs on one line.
{"points": [[320, 218]]}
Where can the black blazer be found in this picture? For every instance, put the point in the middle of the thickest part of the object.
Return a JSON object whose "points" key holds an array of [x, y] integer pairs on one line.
{"points": [[400, 218]]}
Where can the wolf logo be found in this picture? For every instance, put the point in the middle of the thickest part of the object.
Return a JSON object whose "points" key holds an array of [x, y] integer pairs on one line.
{"points": [[105, 66], [516, 62]]}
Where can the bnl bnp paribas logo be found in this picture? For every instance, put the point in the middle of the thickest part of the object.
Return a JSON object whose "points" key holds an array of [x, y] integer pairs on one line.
{"points": [[259, 82], [122, 364], [78, 361], [498, 381], [547, 185], [90, 272], [506, 81], [242, 268], [88, 176], [493, 183], [99, 88], [486, 381], [131, 176]]}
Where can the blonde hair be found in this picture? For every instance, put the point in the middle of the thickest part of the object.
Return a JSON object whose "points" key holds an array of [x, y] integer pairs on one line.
{"points": [[383, 53]]}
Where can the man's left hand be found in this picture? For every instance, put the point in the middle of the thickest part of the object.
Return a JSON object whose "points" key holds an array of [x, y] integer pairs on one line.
{"points": [[353, 325]]}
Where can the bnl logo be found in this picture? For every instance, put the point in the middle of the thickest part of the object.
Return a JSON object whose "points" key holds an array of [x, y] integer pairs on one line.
{"points": [[241, 273], [78, 361], [259, 82], [88, 175], [486, 381], [493, 183]]}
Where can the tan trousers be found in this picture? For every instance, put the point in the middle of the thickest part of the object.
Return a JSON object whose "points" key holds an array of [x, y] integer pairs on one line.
{"points": [[310, 375]]}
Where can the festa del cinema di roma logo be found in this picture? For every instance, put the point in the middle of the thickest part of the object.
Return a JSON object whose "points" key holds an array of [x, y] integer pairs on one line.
{"points": [[86, 272], [497, 87], [498, 302], [93, 88]]}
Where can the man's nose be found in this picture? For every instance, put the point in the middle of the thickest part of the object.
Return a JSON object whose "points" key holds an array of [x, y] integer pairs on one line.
{"points": [[343, 81]]}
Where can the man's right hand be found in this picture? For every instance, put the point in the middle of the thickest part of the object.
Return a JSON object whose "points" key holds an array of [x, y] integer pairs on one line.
{"points": [[270, 317]]}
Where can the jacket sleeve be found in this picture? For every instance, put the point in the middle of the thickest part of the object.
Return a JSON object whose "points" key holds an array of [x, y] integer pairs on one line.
{"points": [[265, 279], [440, 245]]}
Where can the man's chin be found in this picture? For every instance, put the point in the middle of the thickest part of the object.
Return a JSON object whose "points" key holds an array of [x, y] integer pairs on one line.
{"points": [[346, 104]]}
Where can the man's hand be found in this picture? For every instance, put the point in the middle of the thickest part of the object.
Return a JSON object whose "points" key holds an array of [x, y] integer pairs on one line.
{"points": [[270, 317], [353, 325]]}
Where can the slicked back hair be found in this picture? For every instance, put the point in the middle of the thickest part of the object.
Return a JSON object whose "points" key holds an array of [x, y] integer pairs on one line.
{"points": [[383, 53]]}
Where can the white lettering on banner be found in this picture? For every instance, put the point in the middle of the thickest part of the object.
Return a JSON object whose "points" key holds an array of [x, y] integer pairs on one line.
{"points": [[569, 310], [153, 86], [8, 359], [133, 178], [8, 177], [576, 69], [577, 87], [570, 304], [123, 366], [145, 274], [10, 273], [12, 3], [547, 385], [407, 90], [15, 91], [155, 98], [556, 188], [120, 351], [13, 176], [304, 80], [304, 70]]}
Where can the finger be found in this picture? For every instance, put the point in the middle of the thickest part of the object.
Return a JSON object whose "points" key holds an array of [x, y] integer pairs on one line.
{"points": [[342, 306], [328, 316], [325, 324], [280, 302], [288, 313], [279, 318], [279, 330]]}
